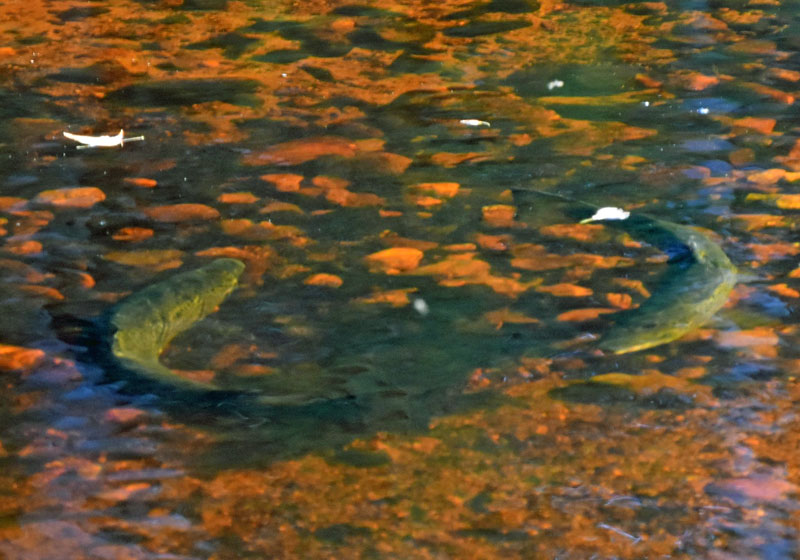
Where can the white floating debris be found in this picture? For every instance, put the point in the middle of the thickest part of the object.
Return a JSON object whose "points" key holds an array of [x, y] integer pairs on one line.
{"points": [[555, 84], [421, 307], [102, 141], [607, 213], [703, 110], [474, 122]]}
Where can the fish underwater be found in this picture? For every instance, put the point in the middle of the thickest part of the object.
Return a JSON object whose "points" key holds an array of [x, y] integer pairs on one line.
{"points": [[696, 286], [696, 283], [148, 320], [376, 384]]}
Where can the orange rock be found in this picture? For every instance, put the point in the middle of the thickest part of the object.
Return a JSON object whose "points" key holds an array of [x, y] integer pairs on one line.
{"points": [[766, 91], [769, 251], [284, 182], [462, 268], [647, 81], [565, 290], [238, 226], [499, 215], [185, 212], [336, 192], [784, 290], [785, 201], [78, 197], [86, 280], [295, 152], [28, 222], [691, 372], [199, 375], [427, 201], [43, 291], [346, 198], [448, 190], [395, 298], [258, 259], [133, 234], [742, 156], [394, 260], [762, 340], [756, 222], [329, 183], [24, 271], [635, 285], [13, 358], [696, 81], [520, 139], [253, 370], [546, 261], [23, 246], [343, 24], [124, 415], [123, 493], [587, 314], [278, 206], [11, 202], [500, 317], [460, 247], [785, 74], [493, 242], [230, 354], [156, 259], [322, 279], [389, 213], [141, 182], [386, 162], [578, 232], [264, 231], [237, 198], [620, 301], [758, 124], [770, 177]]}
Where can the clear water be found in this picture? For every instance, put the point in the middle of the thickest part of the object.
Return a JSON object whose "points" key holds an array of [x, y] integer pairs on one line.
{"points": [[457, 416]]}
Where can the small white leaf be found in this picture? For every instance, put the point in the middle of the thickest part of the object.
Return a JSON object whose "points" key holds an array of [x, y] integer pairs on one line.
{"points": [[474, 122], [607, 213], [101, 141]]}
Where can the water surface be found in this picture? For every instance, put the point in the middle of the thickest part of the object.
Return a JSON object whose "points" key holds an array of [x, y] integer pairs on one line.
{"points": [[437, 331]]}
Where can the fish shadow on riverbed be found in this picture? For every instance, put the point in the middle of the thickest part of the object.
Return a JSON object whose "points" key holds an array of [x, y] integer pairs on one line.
{"points": [[249, 433]]}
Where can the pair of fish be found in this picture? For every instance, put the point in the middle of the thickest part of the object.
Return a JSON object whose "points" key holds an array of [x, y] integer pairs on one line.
{"points": [[697, 284]]}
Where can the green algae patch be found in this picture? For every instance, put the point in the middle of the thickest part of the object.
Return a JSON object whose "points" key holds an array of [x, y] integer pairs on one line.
{"points": [[148, 320]]}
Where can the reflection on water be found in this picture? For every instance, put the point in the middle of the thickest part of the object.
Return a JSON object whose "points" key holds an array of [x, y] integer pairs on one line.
{"points": [[437, 335]]}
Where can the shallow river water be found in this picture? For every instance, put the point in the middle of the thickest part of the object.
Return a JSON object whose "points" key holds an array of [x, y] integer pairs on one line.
{"points": [[410, 364]]}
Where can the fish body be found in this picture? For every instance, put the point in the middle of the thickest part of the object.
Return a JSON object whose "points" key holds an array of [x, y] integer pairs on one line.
{"points": [[695, 284], [694, 287], [148, 320]]}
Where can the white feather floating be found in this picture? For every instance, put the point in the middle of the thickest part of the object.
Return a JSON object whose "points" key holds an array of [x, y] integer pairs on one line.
{"points": [[607, 213], [102, 141], [474, 122]]}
